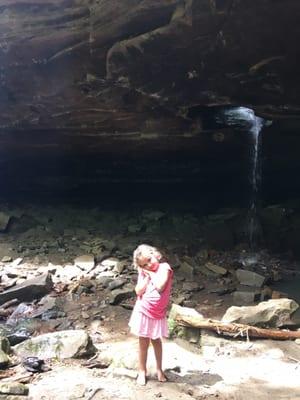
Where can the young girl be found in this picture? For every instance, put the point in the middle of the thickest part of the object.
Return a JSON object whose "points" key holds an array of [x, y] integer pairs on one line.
{"points": [[148, 319]]}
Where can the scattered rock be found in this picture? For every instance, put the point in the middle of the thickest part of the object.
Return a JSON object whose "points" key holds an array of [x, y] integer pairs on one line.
{"points": [[6, 259], [16, 334], [22, 312], [7, 283], [202, 255], [80, 325], [119, 295], [116, 283], [29, 290], [192, 287], [216, 268], [69, 272], [45, 305], [104, 281], [85, 262], [16, 262], [179, 300], [186, 270], [110, 263], [101, 255], [120, 266], [249, 278], [245, 296]]}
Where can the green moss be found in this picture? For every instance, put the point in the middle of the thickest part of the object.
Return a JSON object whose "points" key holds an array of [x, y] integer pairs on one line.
{"points": [[172, 326], [4, 345]]}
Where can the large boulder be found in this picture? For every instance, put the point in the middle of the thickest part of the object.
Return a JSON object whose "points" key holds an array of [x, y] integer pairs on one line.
{"points": [[271, 313], [60, 345]]}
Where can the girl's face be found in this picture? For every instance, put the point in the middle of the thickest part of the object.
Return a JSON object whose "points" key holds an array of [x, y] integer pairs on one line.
{"points": [[149, 262]]}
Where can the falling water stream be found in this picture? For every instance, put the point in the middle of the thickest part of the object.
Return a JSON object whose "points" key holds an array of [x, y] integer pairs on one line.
{"points": [[257, 124], [245, 119]]}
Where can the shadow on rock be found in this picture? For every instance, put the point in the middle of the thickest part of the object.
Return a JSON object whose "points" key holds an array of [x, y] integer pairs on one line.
{"points": [[194, 378]]}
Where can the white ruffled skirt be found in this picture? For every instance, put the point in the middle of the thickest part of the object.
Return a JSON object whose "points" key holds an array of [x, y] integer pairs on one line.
{"points": [[141, 325]]}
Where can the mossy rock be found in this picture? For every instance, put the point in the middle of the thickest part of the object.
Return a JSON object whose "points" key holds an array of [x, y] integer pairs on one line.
{"points": [[4, 345], [13, 389], [190, 334]]}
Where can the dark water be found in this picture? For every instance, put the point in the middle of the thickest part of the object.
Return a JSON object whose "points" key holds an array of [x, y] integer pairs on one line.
{"points": [[292, 288]]}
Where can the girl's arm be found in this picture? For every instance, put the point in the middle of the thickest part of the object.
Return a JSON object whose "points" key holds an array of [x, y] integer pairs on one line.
{"points": [[160, 278], [142, 283]]}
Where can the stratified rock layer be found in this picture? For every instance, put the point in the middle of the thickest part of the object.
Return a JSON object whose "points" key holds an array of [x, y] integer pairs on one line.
{"points": [[121, 80]]}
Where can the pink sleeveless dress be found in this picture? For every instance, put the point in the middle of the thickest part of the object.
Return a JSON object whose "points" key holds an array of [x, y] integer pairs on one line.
{"points": [[148, 318]]}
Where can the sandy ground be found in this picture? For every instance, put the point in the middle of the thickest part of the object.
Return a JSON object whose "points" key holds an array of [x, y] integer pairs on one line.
{"points": [[221, 368]]}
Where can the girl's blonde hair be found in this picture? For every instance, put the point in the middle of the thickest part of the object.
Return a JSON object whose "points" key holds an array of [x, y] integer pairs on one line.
{"points": [[141, 250]]}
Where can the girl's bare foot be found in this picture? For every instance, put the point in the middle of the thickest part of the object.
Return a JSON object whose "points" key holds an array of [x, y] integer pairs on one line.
{"points": [[161, 376], [141, 378]]}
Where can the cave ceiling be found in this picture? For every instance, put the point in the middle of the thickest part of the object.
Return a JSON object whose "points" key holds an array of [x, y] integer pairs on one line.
{"points": [[87, 76]]}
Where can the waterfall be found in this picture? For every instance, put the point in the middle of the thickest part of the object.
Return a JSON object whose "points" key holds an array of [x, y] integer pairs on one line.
{"points": [[91, 31], [255, 177], [244, 119]]}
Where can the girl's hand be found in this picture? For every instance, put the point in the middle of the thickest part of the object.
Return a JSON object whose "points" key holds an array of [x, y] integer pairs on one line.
{"points": [[142, 272], [148, 273], [142, 283]]}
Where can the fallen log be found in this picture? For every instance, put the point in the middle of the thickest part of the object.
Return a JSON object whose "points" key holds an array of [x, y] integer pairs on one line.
{"points": [[236, 330]]}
